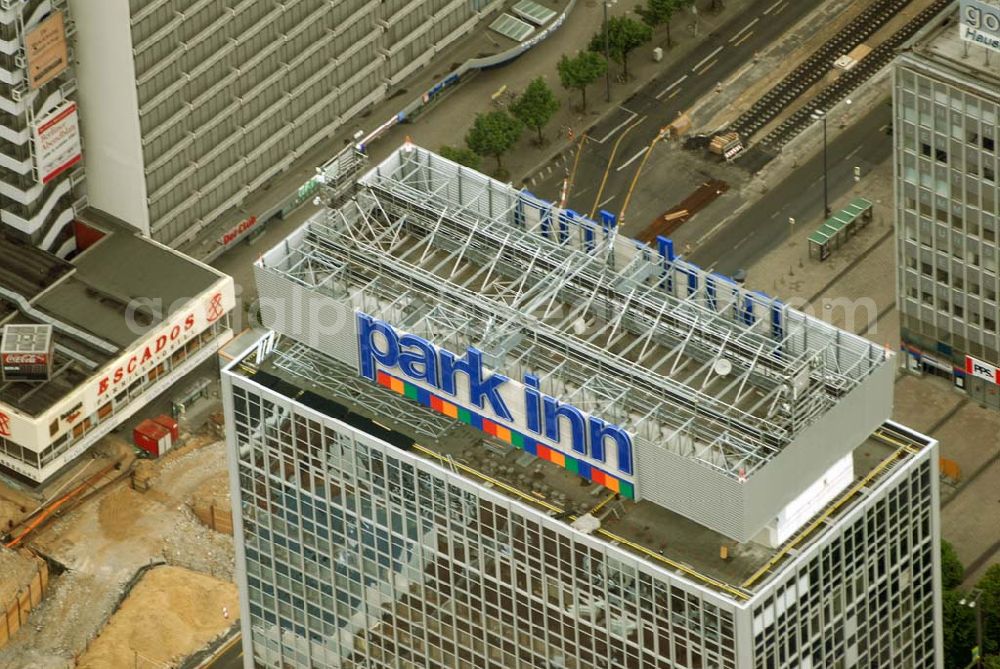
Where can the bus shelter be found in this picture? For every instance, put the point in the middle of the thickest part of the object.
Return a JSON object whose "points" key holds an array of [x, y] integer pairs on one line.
{"points": [[839, 227]]}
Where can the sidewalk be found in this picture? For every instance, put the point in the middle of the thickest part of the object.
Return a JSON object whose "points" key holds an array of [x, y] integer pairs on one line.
{"points": [[437, 127]]}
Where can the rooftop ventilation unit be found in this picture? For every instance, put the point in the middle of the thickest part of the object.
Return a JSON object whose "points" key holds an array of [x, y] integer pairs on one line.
{"points": [[26, 352]]}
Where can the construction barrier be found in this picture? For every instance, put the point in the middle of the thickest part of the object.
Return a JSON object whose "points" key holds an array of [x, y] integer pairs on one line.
{"points": [[17, 610], [218, 518]]}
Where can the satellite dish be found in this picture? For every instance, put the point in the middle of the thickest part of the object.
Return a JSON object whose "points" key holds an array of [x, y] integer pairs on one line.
{"points": [[723, 367]]}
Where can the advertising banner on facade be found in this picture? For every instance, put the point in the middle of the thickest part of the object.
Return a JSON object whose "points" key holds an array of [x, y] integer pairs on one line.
{"points": [[57, 142], [45, 47], [982, 370], [979, 22]]}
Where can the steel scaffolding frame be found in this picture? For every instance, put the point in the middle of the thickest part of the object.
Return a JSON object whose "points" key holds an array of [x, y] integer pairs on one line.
{"points": [[443, 252], [304, 362]]}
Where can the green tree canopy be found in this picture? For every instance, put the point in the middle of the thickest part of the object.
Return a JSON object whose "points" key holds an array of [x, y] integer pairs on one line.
{"points": [[494, 134], [535, 107], [959, 630], [952, 570], [625, 34], [580, 71], [989, 585], [461, 155], [657, 13]]}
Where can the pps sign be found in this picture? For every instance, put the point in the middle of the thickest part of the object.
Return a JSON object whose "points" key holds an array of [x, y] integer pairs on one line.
{"points": [[979, 22], [982, 370]]}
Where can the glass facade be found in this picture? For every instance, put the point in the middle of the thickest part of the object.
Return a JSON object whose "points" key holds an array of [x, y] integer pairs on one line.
{"points": [[867, 599], [947, 200], [231, 92], [357, 553]]}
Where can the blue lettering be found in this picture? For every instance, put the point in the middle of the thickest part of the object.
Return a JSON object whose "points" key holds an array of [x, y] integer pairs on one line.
{"points": [[379, 345], [368, 350], [554, 409], [480, 389], [601, 430], [420, 363], [532, 403]]}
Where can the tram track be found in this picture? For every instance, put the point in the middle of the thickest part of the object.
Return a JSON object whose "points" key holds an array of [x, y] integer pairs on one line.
{"points": [[811, 71]]}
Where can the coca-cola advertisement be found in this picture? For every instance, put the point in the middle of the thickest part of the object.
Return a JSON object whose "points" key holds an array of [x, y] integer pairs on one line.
{"points": [[25, 359], [26, 352]]}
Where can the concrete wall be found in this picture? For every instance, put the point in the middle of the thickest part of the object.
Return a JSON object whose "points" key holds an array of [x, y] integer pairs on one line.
{"points": [[109, 111]]}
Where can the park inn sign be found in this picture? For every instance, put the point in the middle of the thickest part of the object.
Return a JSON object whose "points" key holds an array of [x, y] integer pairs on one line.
{"points": [[517, 412]]}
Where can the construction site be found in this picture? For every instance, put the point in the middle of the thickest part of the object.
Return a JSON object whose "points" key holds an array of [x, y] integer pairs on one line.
{"points": [[126, 546]]}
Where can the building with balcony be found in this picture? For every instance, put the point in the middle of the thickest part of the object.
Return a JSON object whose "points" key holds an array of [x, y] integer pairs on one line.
{"points": [[487, 431], [41, 175], [946, 100], [204, 102]]}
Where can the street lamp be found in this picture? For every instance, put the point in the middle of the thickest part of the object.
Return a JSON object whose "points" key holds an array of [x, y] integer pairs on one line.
{"points": [[972, 601], [820, 115], [607, 51]]}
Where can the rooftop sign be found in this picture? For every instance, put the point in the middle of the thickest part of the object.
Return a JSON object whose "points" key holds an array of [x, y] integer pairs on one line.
{"points": [[518, 413], [979, 22]]}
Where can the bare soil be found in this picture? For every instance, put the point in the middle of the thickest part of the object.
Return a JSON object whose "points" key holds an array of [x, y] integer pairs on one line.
{"points": [[171, 613], [106, 540], [16, 569]]}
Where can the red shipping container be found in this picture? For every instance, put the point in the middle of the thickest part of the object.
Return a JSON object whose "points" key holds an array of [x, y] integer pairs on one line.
{"points": [[169, 423], [152, 438]]}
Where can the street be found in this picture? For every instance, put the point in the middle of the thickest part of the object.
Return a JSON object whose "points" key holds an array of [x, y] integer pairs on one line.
{"points": [[232, 658], [614, 147], [753, 233]]}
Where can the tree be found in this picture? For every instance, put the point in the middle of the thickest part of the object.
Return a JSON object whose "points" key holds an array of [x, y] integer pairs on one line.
{"points": [[959, 630], [625, 34], [580, 71], [460, 155], [659, 13], [535, 107], [494, 134], [991, 662], [952, 570], [989, 585]]}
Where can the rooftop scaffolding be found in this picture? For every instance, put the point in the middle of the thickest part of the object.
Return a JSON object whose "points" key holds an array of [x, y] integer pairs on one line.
{"points": [[689, 362]]}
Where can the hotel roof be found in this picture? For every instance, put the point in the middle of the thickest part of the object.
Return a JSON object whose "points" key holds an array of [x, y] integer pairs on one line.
{"points": [[723, 376], [665, 538]]}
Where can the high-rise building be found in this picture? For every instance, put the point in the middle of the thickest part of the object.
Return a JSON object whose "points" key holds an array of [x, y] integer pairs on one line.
{"points": [[197, 105], [41, 174], [484, 431], [946, 99]]}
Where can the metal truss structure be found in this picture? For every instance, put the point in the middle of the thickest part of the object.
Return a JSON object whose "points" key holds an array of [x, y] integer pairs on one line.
{"points": [[684, 359], [303, 362]]}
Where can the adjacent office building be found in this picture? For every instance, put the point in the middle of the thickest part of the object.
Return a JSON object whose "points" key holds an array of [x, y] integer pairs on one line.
{"points": [[41, 171], [197, 104], [484, 431], [946, 97]]}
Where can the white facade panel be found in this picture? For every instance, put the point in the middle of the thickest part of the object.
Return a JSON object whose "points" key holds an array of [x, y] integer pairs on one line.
{"points": [[106, 72]]}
